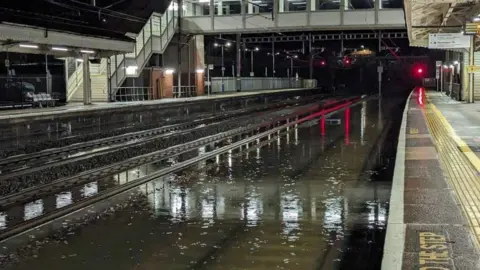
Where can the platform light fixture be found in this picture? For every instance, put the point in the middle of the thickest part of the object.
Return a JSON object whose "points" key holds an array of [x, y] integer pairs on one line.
{"points": [[79, 60], [215, 44], [30, 46], [131, 70], [228, 44], [62, 49], [87, 51], [257, 49], [200, 70], [169, 71], [456, 62]]}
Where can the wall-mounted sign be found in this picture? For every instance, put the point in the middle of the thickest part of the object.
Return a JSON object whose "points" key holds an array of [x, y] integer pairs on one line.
{"points": [[471, 29], [448, 41]]}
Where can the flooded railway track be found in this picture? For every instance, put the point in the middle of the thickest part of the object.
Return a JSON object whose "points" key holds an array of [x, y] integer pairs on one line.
{"points": [[25, 161], [275, 125]]}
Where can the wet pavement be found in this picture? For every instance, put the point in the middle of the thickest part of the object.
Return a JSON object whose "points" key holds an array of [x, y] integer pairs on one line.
{"points": [[463, 117], [301, 201]]}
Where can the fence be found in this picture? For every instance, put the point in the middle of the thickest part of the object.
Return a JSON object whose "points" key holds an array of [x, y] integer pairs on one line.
{"points": [[185, 91], [258, 83], [133, 93]]}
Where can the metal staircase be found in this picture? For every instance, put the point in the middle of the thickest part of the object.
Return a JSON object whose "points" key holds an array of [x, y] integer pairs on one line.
{"points": [[153, 38], [98, 78]]}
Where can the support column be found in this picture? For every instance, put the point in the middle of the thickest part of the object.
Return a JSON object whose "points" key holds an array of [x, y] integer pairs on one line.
{"points": [[273, 55], [200, 64], [179, 48], [250, 8], [309, 8], [313, 5], [471, 62], [281, 6], [220, 7], [276, 9], [87, 87], [239, 62]]}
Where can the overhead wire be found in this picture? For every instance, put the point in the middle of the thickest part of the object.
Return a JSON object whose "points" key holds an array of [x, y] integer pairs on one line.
{"points": [[106, 9], [122, 16], [55, 19]]}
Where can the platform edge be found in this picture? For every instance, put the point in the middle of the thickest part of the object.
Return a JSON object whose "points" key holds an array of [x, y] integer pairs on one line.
{"points": [[395, 236]]}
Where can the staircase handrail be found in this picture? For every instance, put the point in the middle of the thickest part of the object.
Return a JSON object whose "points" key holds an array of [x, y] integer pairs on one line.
{"points": [[170, 20], [74, 81]]}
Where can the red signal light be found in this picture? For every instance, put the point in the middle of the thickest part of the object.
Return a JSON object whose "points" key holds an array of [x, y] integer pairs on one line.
{"points": [[322, 63], [420, 71]]}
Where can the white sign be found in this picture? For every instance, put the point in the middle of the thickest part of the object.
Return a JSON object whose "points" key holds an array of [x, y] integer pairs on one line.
{"points": [[448, 41], [437, 73], [210, 66], [438, 63]]}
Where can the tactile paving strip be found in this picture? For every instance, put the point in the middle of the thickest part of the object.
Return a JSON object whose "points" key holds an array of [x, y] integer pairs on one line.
{"points": [[461, 173]]}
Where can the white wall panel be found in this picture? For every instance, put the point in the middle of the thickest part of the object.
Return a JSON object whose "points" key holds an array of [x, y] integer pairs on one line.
{"points": [[359, 17], [294, 19], [325, 18], [391, 16]]}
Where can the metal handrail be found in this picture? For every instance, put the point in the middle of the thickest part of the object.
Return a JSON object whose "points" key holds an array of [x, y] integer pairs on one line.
{"points": [[121, 64], [184, 91], [133, 93]]}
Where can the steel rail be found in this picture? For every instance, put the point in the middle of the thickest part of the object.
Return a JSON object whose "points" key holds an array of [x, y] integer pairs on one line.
{"points": [[57, 153], [27, 225], [84, 177]]}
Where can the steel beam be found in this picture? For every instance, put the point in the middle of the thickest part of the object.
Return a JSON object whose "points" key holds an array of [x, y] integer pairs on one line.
{"points": [[325, 37]]}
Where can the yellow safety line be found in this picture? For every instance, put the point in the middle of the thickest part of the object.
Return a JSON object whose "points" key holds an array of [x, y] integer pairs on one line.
{"points": [[472, 157], [459, 170]]}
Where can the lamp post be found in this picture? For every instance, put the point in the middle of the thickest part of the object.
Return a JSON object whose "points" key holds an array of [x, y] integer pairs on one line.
{"points": [[256, 49], [273, 62], [226, 44]]}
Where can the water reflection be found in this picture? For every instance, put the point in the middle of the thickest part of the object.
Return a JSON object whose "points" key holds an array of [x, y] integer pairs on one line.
{"points": [[363, 119], [64, 199], [285, 200], [3, 221], [90, 189], [333, 219], [33, 209]]}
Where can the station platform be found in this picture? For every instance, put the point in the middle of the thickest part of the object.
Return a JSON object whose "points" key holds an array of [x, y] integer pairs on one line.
{"points": [[78, 108], [434, 216]]}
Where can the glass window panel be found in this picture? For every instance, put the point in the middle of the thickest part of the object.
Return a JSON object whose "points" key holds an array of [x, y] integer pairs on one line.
{"points": [[361, 4], [392, 4], [228, 7], [198, 8], [327, 4], [263, 6], [295, 5], [156, 25]]}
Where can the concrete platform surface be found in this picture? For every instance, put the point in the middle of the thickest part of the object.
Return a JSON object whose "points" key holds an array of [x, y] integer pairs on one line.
{"points": [[78, 107], [435, 201]]}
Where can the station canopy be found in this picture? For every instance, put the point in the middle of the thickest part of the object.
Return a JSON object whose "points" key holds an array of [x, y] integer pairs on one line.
{"points": [[73, 27], [424, 17]]}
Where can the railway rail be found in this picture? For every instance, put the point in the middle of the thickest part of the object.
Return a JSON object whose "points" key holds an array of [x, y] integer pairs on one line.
{"points": [[296, 117], [88, 176], [17, 163], [38, 140], [275, 125]]}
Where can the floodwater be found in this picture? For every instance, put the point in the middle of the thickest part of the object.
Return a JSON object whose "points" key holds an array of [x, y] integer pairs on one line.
{"points": [[307, 199]]}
